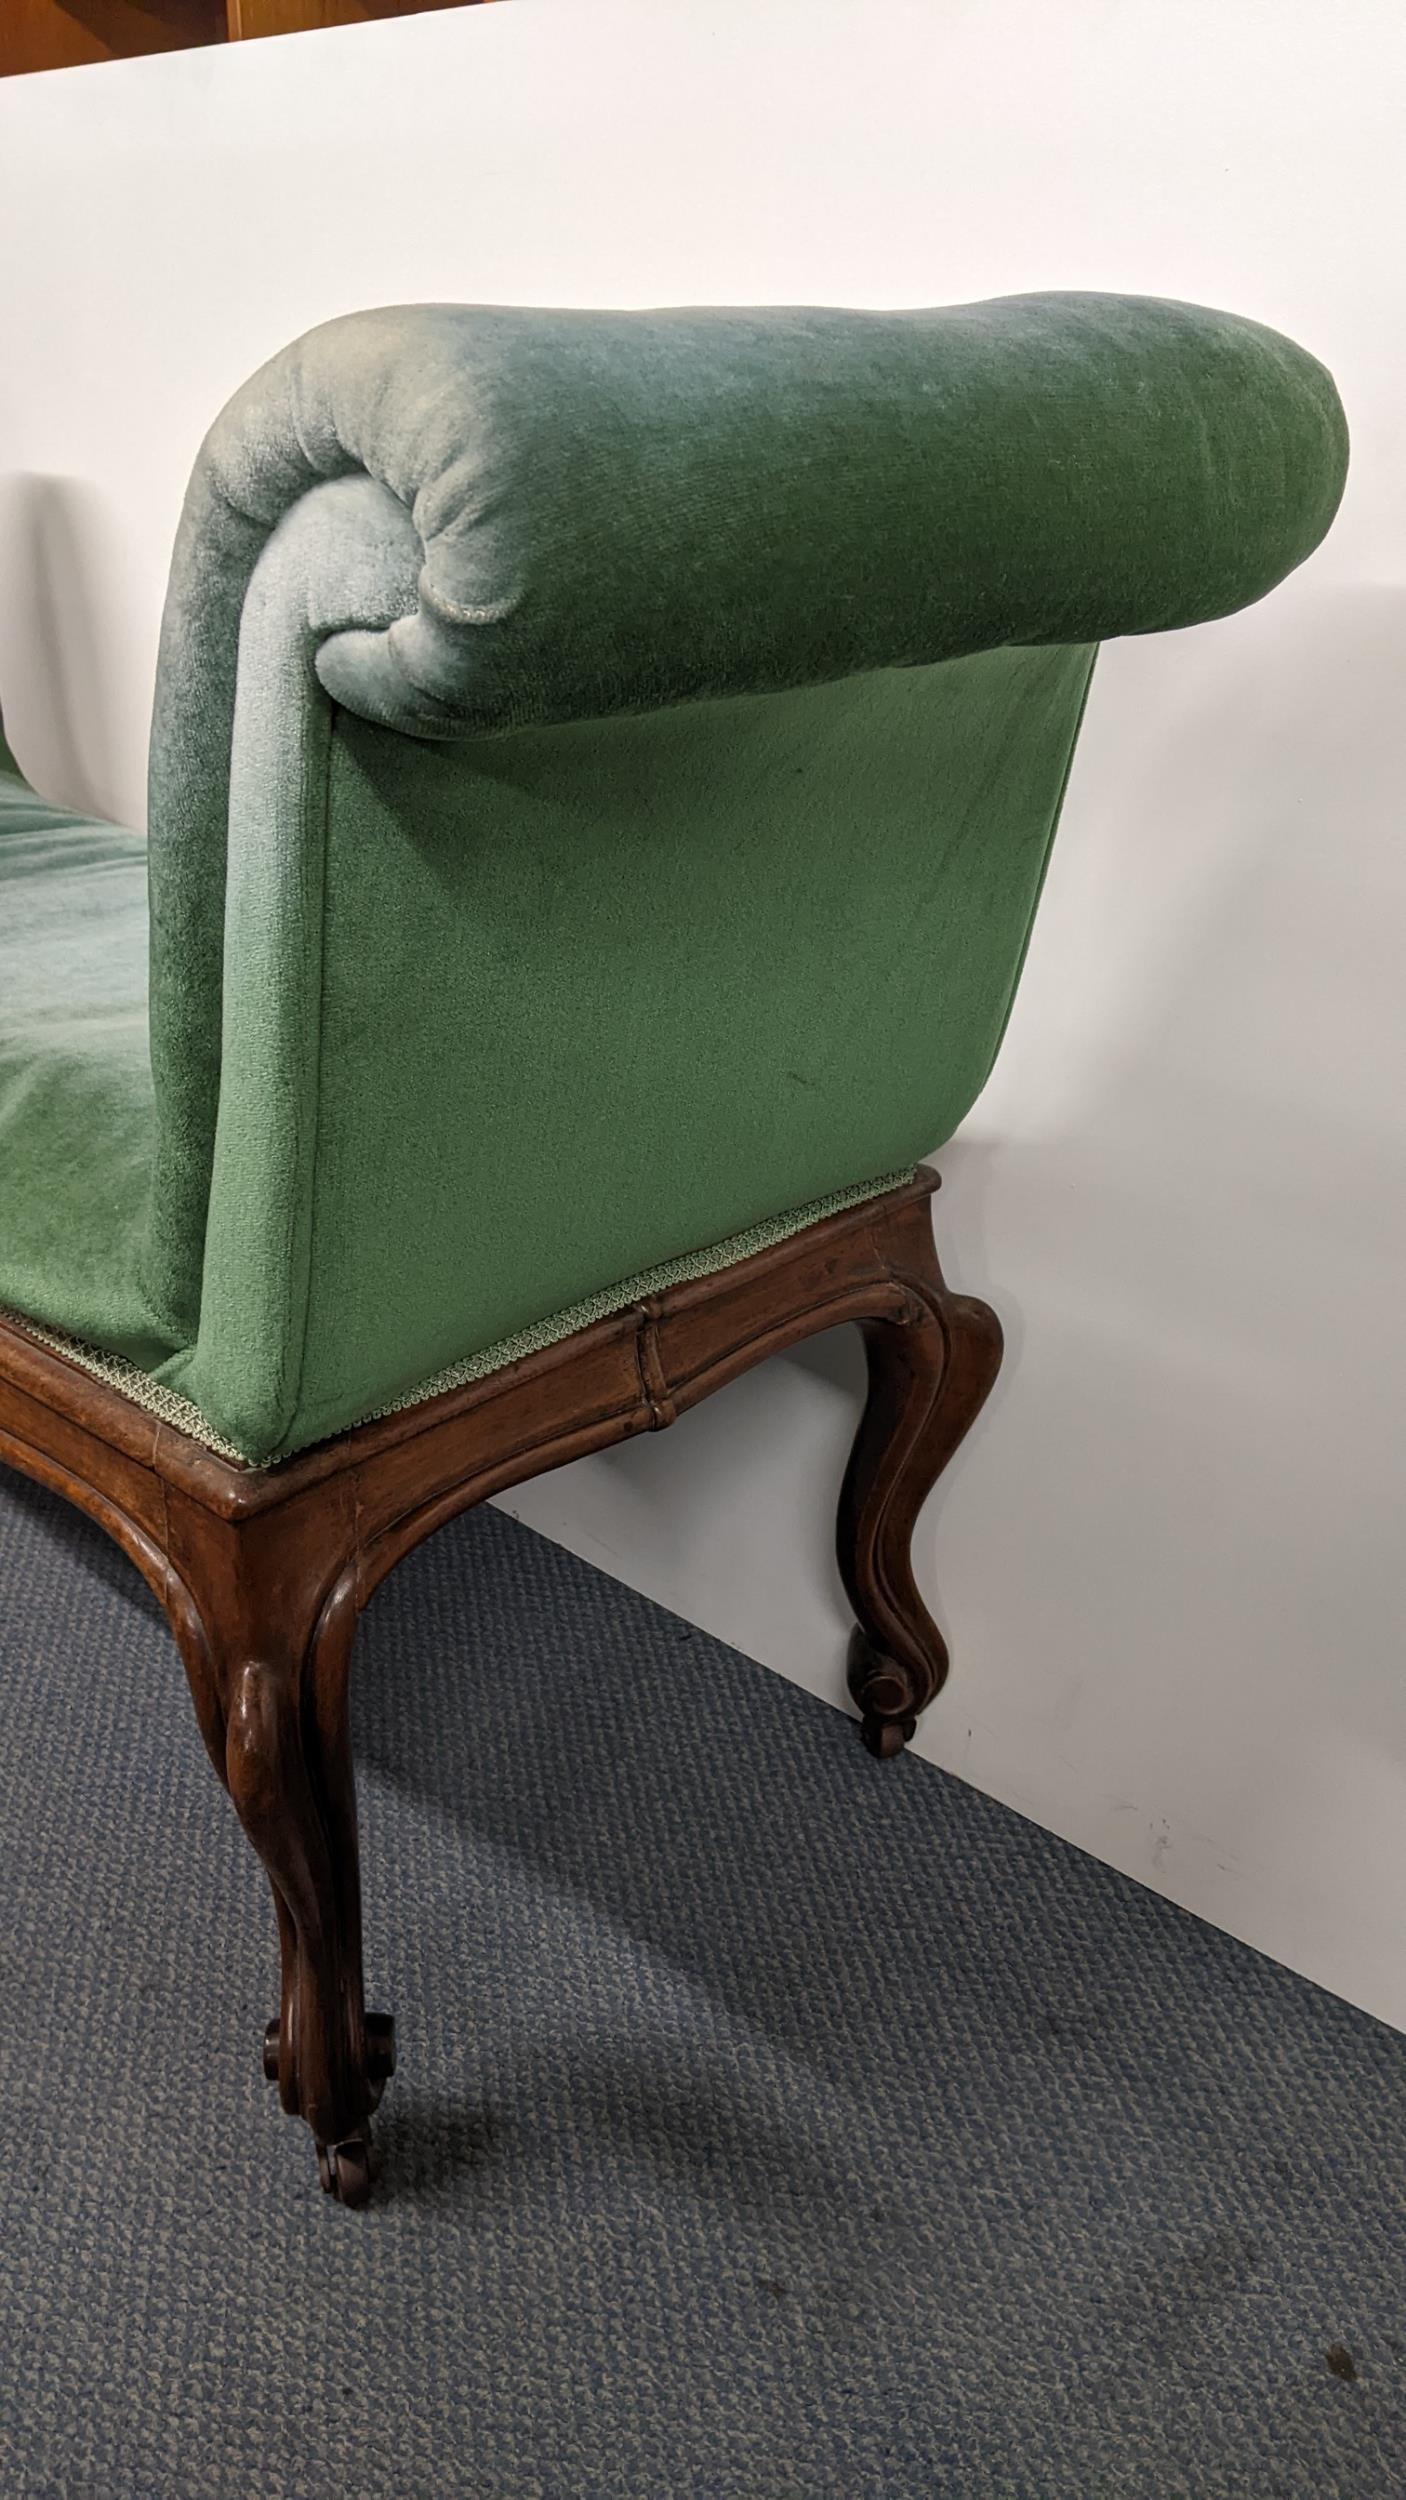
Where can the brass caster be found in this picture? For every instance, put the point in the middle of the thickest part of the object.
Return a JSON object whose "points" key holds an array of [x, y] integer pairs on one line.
{"points": [[887, 1737], [347, 2169], [271, 2050]]}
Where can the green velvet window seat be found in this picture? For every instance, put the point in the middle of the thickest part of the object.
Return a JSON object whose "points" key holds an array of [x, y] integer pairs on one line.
{"points": [[602, 774]]}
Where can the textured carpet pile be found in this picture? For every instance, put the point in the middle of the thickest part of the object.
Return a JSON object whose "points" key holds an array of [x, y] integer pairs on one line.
{"points": [[772, 2124]]}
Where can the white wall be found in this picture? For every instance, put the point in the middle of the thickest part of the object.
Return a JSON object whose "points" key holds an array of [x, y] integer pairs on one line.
{"points": [[1169, 1559]]}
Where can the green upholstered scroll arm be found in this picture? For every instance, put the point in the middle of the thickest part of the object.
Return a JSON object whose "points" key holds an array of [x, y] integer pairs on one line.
{"points": [[554, 516]]}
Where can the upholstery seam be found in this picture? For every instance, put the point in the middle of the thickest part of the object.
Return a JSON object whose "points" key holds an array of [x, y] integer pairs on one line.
{"points": [[300, 1262]]}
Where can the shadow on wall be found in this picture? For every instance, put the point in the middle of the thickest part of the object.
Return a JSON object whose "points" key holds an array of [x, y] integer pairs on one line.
{"points": [[1240, 1040], [1195, 1243], [1238, 941], [59, 684], [1194, 1126]]}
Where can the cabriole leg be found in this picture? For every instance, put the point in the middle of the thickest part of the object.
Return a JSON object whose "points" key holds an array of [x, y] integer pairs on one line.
{"points": [[930, 1369], [280, 1659]]}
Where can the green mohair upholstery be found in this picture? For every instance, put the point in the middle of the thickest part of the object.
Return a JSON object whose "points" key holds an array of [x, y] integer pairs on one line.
{"points": [[602, 773], [76, 1116]]}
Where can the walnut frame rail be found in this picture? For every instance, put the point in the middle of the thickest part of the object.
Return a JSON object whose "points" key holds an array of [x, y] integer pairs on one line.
{"points": [[263, 1573]]}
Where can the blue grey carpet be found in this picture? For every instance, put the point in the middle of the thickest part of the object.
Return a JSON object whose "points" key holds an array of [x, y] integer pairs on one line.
{"points": [[771, 2122]]}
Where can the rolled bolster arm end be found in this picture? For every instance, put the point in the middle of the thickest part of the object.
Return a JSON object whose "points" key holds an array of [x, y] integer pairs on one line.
{"points": [[365, 670], [615, 511]]}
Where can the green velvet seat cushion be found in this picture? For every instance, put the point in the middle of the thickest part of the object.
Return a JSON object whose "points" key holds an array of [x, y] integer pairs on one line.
{"points": [[76, 1116]]}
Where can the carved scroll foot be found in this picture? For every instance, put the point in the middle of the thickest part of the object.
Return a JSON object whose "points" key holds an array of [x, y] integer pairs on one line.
{"points": [[885, 1700], [276, 1655], [288, 1765], [930, 1369]]}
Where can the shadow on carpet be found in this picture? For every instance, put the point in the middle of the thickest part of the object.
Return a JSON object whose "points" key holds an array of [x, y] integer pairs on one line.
{"points": [[772, 2124]]}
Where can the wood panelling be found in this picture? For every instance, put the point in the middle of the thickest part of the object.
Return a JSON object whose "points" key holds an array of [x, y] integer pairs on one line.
{"points": [[59, 34], [292, 17]]}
